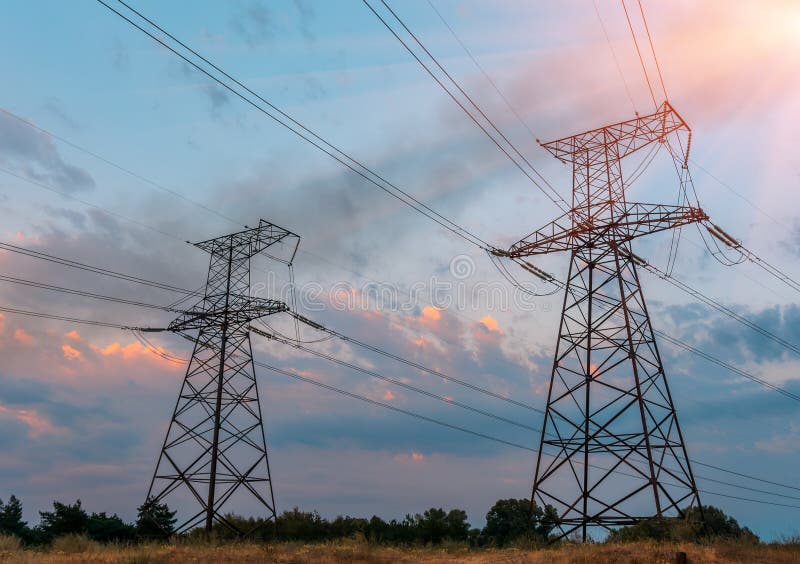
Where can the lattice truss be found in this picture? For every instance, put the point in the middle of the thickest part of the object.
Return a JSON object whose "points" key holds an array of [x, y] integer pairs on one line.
{"points": [[215, 448], [611, 450]]}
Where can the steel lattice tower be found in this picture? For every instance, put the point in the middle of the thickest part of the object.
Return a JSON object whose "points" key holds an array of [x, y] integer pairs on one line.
{"points": [[215, 446], [610, 418]]}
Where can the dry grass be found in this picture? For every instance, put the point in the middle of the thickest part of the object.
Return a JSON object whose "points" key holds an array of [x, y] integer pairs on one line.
{"points": [[354, 551], [9, 543]]}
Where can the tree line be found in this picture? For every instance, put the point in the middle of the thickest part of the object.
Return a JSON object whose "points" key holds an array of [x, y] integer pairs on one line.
{"points": [[508, 522]]}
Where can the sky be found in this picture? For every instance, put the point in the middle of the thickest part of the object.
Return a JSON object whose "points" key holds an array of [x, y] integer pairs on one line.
{"points": [[84, 409]]}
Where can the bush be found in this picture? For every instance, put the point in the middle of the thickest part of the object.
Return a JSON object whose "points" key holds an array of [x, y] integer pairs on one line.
{"points": [[510, 520], [106, 529], [74, 544], [713, 523], [436, 525]]}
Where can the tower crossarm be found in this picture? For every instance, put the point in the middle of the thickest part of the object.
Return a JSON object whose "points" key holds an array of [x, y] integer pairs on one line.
{"points": [[624, 223], [240, 311], [617, 140], [249, 242]]}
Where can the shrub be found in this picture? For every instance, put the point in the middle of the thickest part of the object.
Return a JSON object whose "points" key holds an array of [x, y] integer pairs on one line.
{"points": [[104, 528], [512, 519], [74, 544], [713, 524], [9, 543]]}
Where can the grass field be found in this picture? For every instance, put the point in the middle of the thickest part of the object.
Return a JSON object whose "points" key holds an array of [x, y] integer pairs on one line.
{"points": [[82, 550]]}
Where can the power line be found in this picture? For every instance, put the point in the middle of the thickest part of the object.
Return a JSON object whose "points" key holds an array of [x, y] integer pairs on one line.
{"points": [[483, 71], [727, 366], [638, 52], [451, 426], [499, 397], [296, 376], [652, 50], [419, 366], [296, 127], [217, 68], [552, 195], [82, 321], [83, 293], [737, 193], [90, 204], [393, 381], [614, 55], [741, 475], [119, 167], [90, 268], [338, 361], [441, 398], [709, 301], [711, 358], [94, 269], [719, 307]]}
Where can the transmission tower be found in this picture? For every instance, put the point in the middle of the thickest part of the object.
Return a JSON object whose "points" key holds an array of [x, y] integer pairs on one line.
{"points": [[610, 414], [215, 447]]}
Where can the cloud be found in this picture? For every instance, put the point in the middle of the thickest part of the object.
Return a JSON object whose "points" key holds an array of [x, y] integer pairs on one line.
{"points": [[218, 96], [56, 107], [430, 313], [307, 15], [23, 337], [410, 457], [491, 324], [792, 243], [733, 341], [254, 23], [784, 443], [71, 353], [34, 154], [37, 424]]}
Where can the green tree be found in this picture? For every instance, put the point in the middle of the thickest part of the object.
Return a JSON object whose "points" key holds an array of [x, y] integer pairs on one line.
{"points": [[104, 528], [63, 520], [457, 525], [713, 523], [155, 520], [302, 526], [11, 522], [431, 526], [512, 519]]}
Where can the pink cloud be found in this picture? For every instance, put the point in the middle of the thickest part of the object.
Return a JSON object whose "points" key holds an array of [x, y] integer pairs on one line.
{"points": [[38, 425], [431, 313], [70, 353], [409, 457], [491, 324], [23, 337]]}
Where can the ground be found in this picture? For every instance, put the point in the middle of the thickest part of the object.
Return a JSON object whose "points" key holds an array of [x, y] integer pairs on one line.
{"points": [[352, 551]]}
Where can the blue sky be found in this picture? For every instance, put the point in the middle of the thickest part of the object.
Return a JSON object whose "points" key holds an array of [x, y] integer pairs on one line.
{"points": [[84, 409]]}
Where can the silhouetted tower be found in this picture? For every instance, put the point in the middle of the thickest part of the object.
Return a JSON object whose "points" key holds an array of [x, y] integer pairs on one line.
{"points": [[215, 448], [611, 450]]}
